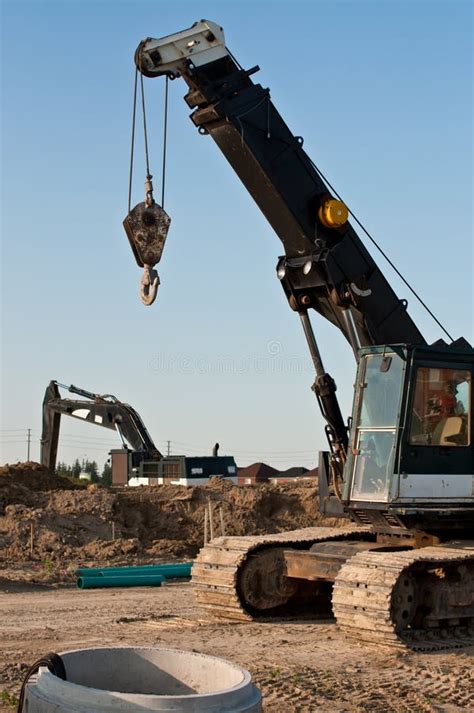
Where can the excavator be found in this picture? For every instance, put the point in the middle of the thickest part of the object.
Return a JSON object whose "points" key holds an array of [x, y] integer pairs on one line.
{"points": [[102, 410], [139, 462], [401, 467]]}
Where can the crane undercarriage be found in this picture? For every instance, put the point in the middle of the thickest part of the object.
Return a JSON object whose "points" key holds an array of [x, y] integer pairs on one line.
{"points": [[393, 595]]}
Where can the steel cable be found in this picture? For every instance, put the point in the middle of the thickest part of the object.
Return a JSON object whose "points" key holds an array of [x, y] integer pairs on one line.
{"points": [[165, 143], [374, 242], [130, 179]]}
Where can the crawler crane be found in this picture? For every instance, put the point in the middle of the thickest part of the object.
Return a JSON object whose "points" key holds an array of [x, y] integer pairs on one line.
{"points": [[402, 467]]}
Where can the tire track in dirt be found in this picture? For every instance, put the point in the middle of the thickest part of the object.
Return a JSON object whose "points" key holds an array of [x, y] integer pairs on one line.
{"points": [[402, 689]]}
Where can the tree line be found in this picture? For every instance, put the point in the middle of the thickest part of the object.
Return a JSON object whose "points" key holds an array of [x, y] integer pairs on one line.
{"points": [[86, 466]]}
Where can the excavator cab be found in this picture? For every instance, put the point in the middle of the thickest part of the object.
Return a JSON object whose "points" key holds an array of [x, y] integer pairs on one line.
{"points": [[410, 451]]}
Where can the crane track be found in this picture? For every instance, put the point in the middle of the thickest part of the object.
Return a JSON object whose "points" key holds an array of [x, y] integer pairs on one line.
{"points": [[362, 598], [215, 573]]}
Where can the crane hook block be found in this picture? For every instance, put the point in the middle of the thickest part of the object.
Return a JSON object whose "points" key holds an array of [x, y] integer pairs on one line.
{"points": [[147, 227]]}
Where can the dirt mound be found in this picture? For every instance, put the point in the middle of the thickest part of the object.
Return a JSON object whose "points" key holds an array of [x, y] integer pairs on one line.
{"points": [[54, 521], [32, 478]]}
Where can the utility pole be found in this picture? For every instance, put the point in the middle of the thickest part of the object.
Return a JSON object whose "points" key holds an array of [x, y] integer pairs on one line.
{"points": [[29, 441], [168, 451]]}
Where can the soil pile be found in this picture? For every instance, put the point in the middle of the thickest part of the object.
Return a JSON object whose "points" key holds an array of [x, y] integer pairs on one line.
{"points": [[53, 520], [26, 480]]}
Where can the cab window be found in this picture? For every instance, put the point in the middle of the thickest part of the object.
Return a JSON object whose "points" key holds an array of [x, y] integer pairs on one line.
{"points": [[441, 408], [376, 428]]}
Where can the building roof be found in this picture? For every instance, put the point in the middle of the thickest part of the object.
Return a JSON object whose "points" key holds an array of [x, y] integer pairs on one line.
{"points": [[257, 471], [294, 472]]}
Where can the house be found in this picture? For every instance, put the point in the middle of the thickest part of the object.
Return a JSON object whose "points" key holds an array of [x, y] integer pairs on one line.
{"points": [[255, 473], [263, 473], [295, 474]]}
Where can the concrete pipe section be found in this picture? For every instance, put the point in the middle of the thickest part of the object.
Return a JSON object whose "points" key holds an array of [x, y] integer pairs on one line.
{"points": [[143, 679]]}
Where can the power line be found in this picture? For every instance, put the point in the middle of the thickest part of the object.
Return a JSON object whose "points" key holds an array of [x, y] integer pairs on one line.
{"points": [[100, 444], [63, 441], [384, 255], [88, 438], [82, 448], [13, 430], [18, 432], [23, 440], [237, 451], [289, 451], [86, 446], [22, 434]]}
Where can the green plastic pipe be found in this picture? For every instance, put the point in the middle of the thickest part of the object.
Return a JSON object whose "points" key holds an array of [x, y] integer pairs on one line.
{"points": [[166, 570], [145, 567], [155, 580]]}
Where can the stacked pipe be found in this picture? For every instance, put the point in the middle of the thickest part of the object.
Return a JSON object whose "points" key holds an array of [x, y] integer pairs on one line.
{"points": [[152, 575]]}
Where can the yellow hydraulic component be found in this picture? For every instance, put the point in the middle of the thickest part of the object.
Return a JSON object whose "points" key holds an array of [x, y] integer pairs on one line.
{"points": [[333, 213]]}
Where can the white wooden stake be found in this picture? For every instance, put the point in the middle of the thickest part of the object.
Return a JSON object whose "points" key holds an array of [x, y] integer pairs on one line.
{"points": [[206, 514], [211, 523], [221, 512]]}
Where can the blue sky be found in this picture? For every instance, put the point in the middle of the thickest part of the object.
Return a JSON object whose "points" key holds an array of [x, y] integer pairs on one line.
{"points": [[381, 92]]}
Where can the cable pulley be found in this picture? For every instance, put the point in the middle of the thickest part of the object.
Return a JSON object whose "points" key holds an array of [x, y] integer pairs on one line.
{"points": [[147, 224]]}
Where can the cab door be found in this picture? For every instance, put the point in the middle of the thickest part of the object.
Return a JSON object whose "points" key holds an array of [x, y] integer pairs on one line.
{"points": [[376, 422]]}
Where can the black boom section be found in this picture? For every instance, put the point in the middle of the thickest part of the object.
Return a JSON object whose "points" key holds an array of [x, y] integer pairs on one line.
{"points": [[273, 166]]}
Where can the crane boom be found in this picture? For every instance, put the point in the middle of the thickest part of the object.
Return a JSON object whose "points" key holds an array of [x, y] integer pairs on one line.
{"points": [[326, 266]]}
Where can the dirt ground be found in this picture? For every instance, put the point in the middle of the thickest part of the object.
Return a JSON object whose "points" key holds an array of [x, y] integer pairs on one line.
{"points": [[49, 526], [300, 665]]}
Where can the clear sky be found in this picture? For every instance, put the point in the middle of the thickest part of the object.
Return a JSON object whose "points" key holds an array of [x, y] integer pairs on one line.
{"points": [[381, 92]]}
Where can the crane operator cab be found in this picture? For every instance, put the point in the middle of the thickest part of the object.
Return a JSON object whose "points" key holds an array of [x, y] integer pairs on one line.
{"points": [[410, 455]]}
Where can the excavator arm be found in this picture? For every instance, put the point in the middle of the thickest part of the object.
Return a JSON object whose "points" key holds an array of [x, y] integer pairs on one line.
{"points": [[102, 410]]}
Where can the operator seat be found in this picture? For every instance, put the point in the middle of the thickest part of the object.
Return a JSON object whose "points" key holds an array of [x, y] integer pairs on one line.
{"points": [[446, 431]]}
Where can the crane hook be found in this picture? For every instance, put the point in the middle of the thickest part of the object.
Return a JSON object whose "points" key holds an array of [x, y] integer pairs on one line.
{"points": [[149, 285]]}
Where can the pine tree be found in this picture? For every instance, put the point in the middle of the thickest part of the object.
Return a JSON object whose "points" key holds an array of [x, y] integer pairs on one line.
{"points": [[76, 469], [106, 477], [91, 467], [63, 470]]}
